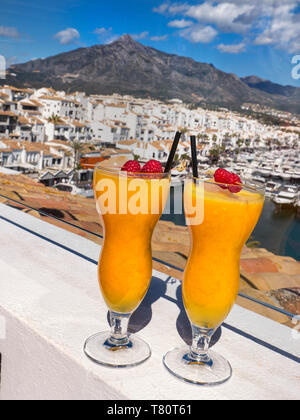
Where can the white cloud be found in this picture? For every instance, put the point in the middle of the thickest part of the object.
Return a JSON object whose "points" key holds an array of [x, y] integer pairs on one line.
{"points": [[178, 8], [159, 38], [169, 8], [199, 34], [142, 35], [233, 48], [223, 15], [261, 22], [67, 36], [181, 23], [282, 31], [163, 8], [102, 31], [9, 32]]}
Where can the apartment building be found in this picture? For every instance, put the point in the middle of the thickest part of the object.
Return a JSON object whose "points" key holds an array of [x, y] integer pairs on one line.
{"points": [[26, 157]]}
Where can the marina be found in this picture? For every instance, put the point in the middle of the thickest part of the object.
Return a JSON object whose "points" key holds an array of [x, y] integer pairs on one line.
{"points": [[278, 230]]}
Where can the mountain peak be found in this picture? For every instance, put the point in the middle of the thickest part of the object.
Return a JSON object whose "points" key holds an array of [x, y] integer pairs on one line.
{"points": [[126, 66], [127, 39], [253, 79]]}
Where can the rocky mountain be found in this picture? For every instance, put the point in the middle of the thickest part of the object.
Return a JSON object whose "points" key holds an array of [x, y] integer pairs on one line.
{"points": [[128, 67], [272, 88]]}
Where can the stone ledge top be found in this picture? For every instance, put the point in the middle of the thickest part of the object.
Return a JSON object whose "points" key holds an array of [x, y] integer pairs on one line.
{"points": [[50, 303]]}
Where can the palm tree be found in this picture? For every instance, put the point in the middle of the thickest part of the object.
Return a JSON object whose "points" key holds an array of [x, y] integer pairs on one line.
{"points": [[257, 141], [77, 148], [184, 131], [239, 143], [54, 119], [278, 143], [269, 142], [215, 154]]}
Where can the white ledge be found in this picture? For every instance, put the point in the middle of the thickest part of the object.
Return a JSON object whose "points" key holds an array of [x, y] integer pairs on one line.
{"points": [[50, 303]]}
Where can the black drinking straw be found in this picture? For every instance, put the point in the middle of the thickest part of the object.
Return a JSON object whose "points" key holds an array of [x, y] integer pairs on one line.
{"points": [[194, 157], [172, 152]]}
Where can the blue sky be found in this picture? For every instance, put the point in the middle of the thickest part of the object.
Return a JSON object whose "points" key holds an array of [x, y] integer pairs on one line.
{"points": [[243, 37]]}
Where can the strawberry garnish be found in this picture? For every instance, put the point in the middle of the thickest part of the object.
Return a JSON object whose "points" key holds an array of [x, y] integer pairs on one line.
{"points": [[131, 166], [235, 182], [153, 167], [223, 176], [230, 180]]}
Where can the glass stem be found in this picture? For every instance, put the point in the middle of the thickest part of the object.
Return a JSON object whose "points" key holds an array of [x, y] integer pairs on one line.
{"points": [[119, 328], [200, 345]]}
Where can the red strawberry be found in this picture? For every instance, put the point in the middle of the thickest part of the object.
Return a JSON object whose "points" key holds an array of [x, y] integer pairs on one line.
{"points": [[223, 176], [235, 180], [232, 180], [131, 166], [153, 167]]}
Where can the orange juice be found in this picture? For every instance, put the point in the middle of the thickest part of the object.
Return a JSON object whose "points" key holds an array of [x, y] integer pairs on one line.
{"points": [[125, 267], [212, 275]]}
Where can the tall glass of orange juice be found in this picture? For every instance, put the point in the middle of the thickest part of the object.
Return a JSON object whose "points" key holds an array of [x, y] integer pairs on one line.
{"points": [[220, 220], [129, 205]]}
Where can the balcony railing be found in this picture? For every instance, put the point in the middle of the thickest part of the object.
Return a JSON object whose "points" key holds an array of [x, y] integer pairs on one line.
{"points": [[43, 212]]}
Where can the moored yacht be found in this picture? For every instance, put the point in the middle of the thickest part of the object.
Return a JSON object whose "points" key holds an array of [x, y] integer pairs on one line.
{"points": [[284, 176], [272, 188], [287, 196], [296, 175], [259, 179]]}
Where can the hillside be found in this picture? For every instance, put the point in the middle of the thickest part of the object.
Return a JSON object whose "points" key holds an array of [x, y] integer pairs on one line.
{"points": [[128, 67]]}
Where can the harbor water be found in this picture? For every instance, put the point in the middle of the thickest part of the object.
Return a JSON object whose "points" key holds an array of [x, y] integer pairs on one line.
{"points": [[278, 229]]}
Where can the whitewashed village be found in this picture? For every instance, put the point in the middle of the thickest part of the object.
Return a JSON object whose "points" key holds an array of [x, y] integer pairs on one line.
{"points": [[44, 133]]}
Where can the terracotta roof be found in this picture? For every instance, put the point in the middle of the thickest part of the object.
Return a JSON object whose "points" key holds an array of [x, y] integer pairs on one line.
{"points": [[116, 105], [8, 113], [128, 142], [23, 120], [57, 98], [157, 145], [29, 147], [36, 102], [27, 103], [14, 89], [36, 120], [78, 124], [62, 142]]}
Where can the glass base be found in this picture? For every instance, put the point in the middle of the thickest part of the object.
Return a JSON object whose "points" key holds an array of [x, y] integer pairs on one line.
{"points": [[214, 371], [116, 354]]}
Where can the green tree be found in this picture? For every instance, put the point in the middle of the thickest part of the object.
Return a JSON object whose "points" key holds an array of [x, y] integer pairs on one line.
{"points": [[55, 119], [77, 148], [240, 142], [215, 154]]}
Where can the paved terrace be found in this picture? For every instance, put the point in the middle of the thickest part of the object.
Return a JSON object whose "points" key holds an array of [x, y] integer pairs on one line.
{"points": [[50, 303]]}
